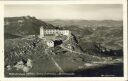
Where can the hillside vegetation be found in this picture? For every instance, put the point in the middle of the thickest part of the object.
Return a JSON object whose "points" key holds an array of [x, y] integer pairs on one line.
{"points": [[25, 25], [96, 44]]}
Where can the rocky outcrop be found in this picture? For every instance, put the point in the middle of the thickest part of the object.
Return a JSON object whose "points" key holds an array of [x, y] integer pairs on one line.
{"points": [[25, 66]]}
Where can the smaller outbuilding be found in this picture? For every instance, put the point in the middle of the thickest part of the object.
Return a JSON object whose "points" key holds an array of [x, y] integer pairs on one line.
{"points": [[50, 43]]}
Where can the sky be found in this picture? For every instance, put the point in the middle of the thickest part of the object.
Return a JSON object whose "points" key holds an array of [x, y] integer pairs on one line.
{"points": [[66, 11]]}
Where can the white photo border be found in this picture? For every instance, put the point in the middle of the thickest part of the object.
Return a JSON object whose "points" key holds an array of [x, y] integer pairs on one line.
{"points": [[123, 2]]}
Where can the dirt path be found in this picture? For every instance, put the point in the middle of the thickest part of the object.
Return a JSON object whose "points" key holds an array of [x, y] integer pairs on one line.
{"points": [[77, 52], [54, 62], [57, 65]]}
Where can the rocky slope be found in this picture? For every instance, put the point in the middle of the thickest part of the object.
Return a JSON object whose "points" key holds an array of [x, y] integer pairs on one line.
{"points": [[31, 54], [95, 46]]}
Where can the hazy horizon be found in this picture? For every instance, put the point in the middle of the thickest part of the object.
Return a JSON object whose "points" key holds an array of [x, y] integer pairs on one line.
{"points": [[67, 11]]}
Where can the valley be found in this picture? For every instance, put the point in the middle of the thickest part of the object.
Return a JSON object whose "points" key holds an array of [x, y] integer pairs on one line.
{"points": [[92, 50]]}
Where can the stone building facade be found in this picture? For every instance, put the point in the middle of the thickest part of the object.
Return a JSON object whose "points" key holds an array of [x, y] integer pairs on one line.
{"points": [[44, 32]]}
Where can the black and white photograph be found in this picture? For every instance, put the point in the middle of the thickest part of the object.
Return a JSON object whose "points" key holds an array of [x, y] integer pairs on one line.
{"points": [[63, 40]]}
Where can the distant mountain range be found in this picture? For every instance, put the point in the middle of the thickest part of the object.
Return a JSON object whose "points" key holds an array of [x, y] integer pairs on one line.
{"points": [[27, 25], [87, 23]]}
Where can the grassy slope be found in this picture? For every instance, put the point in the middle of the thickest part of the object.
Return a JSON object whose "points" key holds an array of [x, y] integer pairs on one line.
{"points": [[33, 48]]}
